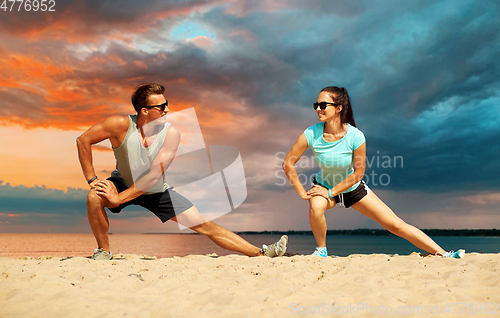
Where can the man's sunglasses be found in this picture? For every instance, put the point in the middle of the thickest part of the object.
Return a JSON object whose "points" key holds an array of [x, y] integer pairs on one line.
{"points": [[324, 105], [162, 106]]}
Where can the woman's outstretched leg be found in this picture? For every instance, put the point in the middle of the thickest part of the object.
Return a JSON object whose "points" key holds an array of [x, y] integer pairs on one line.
{"points": [[375, 209]]}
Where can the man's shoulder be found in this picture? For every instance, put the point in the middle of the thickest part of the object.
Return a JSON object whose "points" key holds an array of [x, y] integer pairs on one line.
{"points": [[119, 122]]}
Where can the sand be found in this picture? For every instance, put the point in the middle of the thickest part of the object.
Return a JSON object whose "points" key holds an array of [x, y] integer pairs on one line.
{"points": [[238, 286]]}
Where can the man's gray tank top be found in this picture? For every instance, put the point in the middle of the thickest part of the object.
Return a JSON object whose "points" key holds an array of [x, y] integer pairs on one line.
{"points": [[133, 160]]}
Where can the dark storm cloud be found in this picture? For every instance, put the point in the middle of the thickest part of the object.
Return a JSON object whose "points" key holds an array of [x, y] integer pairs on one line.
{"points": [[398, 61], [423, 77], [41, 205], [399, 65], [453, 68], [454, 58], [21, 199], [84, 20]]}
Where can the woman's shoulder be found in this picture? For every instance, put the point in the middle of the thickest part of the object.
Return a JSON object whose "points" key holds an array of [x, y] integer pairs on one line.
{"points": [[354, 130], [320, 124], [356, 136], [313, 132], [315, 127]]}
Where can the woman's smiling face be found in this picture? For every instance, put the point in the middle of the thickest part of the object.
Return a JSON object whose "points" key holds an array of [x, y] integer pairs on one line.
{"points": [[330, 111]]}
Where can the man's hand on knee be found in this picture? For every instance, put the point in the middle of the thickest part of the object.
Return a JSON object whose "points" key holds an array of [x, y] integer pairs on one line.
{"points": [[106, 189]]}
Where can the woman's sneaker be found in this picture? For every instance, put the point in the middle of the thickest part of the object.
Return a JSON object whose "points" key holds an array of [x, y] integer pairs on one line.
{"points": [[100, 254], [457, 254], [276, 249], [320, 251]]}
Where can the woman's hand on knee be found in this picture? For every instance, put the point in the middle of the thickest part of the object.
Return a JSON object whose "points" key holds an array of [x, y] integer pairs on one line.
{"points": [[318, 190], [306, 196]]}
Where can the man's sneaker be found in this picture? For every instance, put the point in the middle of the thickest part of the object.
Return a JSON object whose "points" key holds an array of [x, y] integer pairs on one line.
{"points": [[457, 254], [320, 251], [276, 249], [100, 254]]}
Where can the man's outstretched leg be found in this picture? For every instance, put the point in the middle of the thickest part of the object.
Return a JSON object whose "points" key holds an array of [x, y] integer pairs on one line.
{"points": [[226, 239]]}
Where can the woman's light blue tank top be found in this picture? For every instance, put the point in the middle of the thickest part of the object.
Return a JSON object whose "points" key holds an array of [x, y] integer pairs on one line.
{"points": [[334, 158]]}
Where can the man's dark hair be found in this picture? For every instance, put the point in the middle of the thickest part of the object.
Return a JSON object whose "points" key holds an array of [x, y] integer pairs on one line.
{"points": [[142, 92]]}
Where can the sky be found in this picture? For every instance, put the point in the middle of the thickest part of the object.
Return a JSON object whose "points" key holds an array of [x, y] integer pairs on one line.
{"points": [[423, 78]]}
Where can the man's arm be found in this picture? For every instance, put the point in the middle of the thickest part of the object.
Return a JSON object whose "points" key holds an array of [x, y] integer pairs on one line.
{"points": [[158, 167], [110, 128]]}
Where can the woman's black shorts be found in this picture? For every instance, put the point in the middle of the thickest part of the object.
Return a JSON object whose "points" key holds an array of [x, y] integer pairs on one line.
{"points": [[345, 200]]}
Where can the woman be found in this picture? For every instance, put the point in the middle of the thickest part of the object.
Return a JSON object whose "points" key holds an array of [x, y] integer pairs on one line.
{"points": [[340, 150]]}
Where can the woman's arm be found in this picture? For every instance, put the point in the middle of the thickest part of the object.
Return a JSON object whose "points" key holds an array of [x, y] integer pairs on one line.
{"points": [[291, 159], [358, 161]]}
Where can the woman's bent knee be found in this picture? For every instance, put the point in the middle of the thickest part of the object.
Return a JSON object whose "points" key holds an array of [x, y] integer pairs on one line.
{"points": [[317, 206], [318, 203]]}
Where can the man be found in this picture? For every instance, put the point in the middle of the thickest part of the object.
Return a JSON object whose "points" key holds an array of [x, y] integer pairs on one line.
{"points": [[144, 146]]}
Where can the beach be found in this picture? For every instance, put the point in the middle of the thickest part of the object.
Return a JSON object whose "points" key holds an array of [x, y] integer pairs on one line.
{"points": [[238, 286]]}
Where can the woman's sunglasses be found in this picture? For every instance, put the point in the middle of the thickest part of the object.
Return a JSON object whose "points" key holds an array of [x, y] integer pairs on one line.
{"points": [[324, 105], [162, 106]]}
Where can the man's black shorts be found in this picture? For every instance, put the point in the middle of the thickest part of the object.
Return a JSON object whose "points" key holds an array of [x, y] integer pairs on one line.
{"points": [[349, 198], [165, 205]]}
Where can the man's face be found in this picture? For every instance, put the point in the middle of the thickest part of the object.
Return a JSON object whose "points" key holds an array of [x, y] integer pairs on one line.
{"points": [[155, 113]]}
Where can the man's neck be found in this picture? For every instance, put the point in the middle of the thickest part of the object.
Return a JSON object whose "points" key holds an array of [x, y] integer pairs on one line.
{"points": [[141, 121], [146, 129]]}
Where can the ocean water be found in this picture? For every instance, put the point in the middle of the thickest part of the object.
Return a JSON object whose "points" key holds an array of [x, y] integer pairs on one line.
{"points": [[167, 245]]}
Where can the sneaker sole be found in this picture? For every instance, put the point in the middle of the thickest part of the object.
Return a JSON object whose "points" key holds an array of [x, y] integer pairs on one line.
{"points": [[102, 258], [319, 255]]}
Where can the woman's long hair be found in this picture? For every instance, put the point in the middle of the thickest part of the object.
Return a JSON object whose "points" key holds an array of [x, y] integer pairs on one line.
{"points": [[340, 96]]}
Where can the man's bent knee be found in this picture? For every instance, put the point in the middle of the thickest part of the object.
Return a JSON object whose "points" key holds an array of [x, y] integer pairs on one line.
{"points": [[93, 199]]}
